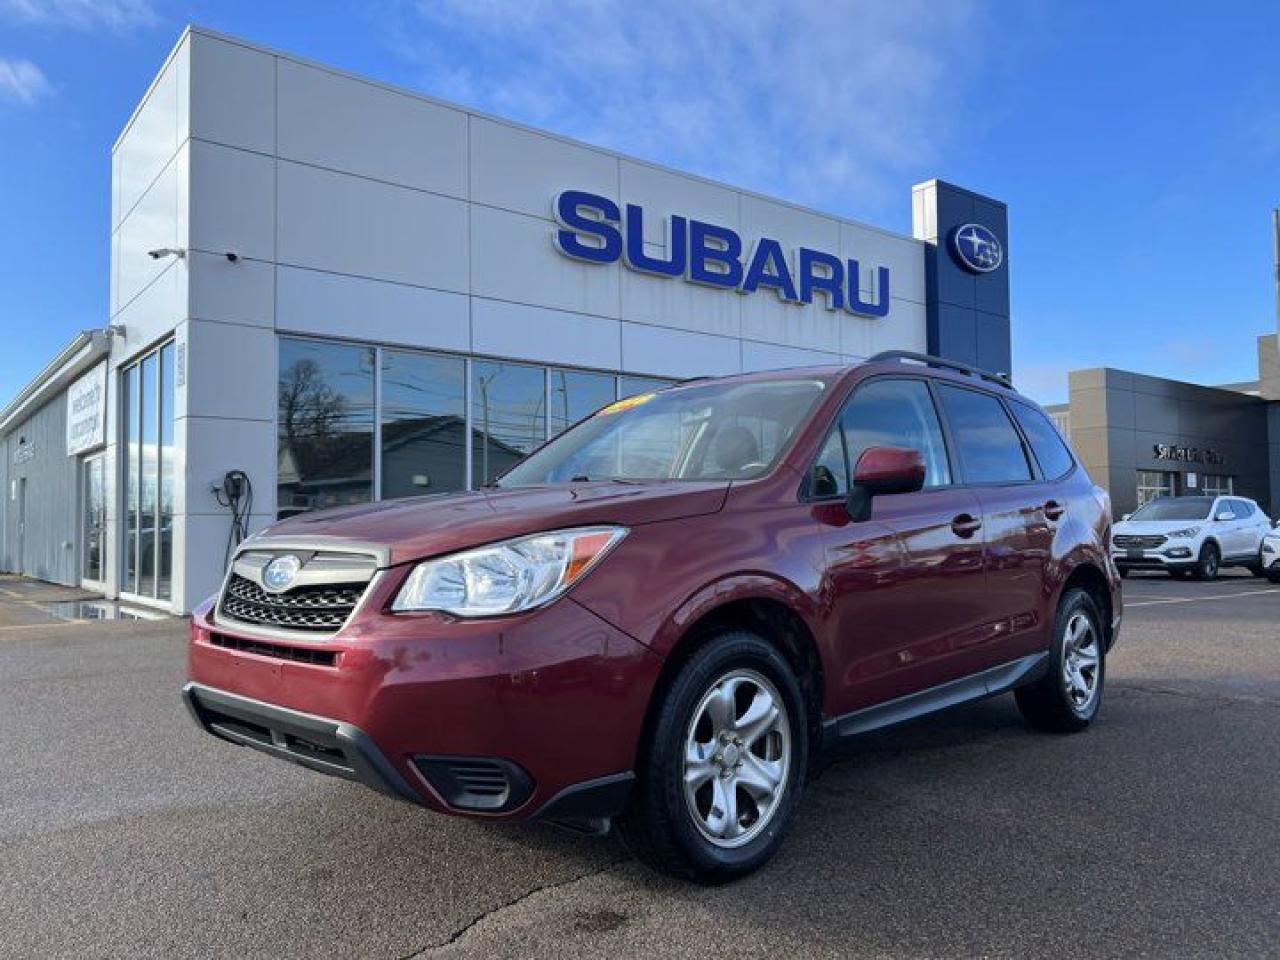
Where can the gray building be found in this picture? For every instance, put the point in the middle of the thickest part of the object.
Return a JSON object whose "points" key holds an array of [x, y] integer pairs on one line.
{"points": [[1143, 436]]}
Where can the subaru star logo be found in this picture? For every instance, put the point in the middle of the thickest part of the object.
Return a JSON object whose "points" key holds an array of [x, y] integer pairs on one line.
{"points": [[279, 573], [976, 248]]}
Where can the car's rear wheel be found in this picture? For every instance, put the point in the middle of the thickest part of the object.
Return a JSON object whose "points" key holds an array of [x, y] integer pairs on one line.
{"points": [[1208, 563], [1068, 697], [722, 771], [1273, 576]]}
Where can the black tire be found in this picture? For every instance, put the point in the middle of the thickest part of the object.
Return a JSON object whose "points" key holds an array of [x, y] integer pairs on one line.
{"points": [[1273, 576], [659, 826], [1255, 569], [1209, 562], [1124, 572], [1046, 704]]}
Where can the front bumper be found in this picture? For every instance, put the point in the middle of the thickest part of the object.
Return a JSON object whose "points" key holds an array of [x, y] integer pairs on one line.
{"points": [[537, 715], [1173, 557]]}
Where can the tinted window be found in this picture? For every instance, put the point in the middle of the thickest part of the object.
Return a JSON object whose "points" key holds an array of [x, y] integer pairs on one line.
{"points": [[508, 416], [990, 448], [575, 395], [1243, 509], [1046, 443], [896, 413]]}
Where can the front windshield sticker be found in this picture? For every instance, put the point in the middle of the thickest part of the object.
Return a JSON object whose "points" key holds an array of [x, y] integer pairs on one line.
{"points": [[626, 404]]}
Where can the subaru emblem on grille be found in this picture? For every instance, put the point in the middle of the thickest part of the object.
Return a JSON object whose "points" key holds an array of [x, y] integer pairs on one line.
{"points": [[279, 573]]}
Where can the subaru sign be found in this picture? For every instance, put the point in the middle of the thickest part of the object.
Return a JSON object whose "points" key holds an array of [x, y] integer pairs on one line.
{"points": [[594, 229], [976, 248]]}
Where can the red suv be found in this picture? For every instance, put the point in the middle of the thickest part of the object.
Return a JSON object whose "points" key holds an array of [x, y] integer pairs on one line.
{"points": [[665, 614]]}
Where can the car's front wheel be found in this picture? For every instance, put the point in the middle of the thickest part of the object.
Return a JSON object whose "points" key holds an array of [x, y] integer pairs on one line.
{"points": [[722, 771], [1209, 561], [1068, 697]]}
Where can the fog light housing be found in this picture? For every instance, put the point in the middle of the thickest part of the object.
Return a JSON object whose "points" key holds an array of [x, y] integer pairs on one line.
{"points": [[1178, 552]]}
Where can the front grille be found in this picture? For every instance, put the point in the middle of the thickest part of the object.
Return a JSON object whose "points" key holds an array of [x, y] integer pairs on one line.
{"points": [[321, 608], [1131, 541], [320, 658]]}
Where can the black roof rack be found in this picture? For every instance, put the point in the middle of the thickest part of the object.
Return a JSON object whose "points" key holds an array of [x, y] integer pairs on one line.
{"points": [[931, 361]]}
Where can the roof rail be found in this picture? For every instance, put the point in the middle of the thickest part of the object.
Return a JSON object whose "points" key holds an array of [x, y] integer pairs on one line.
{"points": [[931, 361]]}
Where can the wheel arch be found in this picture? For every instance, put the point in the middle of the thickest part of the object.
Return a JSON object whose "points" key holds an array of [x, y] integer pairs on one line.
{"points": [[1089, 577], [761, 604]]}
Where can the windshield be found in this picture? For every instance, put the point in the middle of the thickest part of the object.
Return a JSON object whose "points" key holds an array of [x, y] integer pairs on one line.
{"points": [[731, 430], [1175, 508]]}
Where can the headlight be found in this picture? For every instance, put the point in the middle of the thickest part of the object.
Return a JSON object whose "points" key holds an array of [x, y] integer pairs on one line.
{"points": [[1185, 533], [507, 577]]}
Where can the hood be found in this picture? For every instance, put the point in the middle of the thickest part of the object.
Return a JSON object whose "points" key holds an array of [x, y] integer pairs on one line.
{"points": [[419, 527], [1154, 526]]}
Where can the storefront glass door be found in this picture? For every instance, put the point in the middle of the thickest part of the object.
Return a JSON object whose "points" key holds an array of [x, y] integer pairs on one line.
{"points": [[94, 497]]}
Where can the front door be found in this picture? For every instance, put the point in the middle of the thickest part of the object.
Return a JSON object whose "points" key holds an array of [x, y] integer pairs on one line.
{"points": [[94, 498], [22, 524], [907, 584]]}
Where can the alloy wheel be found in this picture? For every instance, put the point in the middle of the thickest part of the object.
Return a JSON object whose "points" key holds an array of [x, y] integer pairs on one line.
{"points": [[737, 758], [1081, 655]]}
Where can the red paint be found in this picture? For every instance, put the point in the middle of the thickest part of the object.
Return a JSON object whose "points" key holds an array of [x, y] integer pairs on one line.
{"points": [[912, 597]]}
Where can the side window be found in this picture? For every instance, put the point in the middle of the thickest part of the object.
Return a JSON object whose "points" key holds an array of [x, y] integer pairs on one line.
{"points": [[896, 413], [1225, 506], [990, 448], [1243, 509], [830, 471], [1046, 443]]}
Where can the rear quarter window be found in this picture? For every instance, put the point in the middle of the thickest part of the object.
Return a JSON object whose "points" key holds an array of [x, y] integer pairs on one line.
{"points": [[990, 448], [1046, 443]]}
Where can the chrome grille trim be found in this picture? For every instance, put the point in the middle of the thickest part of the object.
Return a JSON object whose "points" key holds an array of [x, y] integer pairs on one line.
{"points": [[329, 589]]}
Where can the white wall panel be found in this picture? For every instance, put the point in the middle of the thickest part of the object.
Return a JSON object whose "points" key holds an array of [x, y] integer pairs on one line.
{"points": [[332, 221], [231, 371], [671, 302], [233, 94], [768, 356], [151, 224], [349, 125], [523, 171], [327, 304], [676, 353], [240, 292], [513, 258], [903, 329], [233, 200], [202, 541], [534, 333], [215, 446], [155, 312], [903, 256], [151, 140]]}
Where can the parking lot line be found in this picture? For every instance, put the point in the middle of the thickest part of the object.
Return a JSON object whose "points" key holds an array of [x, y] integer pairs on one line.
{"points": [[1216, 596]]}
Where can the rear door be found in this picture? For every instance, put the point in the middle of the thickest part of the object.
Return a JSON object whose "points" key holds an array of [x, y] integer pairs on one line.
{"points": [[906, 585], [1251, 526], [1019, 517]]}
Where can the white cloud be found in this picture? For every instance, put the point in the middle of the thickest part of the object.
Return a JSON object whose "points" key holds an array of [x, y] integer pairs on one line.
{"points": [[831, 104], [22, 80], [118, 15]]}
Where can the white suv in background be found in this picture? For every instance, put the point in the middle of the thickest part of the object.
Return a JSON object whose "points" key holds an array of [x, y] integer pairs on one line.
{"points": [[1197, 535], [1270, 556]]}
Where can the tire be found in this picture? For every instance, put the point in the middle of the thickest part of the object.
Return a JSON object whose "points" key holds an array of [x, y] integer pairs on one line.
{"points": [[1124, 572], [1255, 569], [1055, 702], [1209, 563], [689, 834], [1273, 576]]}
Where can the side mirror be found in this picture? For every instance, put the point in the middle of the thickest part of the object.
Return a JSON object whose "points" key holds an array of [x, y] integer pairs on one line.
{"points": [[1225, 515], [880, 471]]}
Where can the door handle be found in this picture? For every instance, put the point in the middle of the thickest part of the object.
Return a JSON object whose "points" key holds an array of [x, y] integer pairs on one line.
{"points": [[1053, 510], [965, 525]]}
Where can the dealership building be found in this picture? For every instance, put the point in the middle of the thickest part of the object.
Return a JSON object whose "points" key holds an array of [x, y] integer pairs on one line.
{"points": [[327, 290]]}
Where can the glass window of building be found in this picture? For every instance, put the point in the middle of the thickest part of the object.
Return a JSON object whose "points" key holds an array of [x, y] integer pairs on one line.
{"points": [[147, 469], [575, 395], [325, 425], [1153, 484], [508, 416], [424, 426], [94, 496], [1217, 485]]}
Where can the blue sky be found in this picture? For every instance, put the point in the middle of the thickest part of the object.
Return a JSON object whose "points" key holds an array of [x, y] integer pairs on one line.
{"points": [[1137, 144]]}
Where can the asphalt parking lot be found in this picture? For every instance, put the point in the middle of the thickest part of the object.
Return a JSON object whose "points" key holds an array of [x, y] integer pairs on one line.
{"points": [[127, 832]]}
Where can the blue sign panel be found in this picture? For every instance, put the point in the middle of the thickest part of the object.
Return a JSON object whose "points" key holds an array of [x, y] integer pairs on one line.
{"points": [[593, 229]]}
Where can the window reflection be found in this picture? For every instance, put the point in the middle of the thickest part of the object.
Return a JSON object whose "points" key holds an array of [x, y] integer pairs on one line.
{"points": [[575, 395], [424, 429], [325, 426], [630, 386], [508, 416]]}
